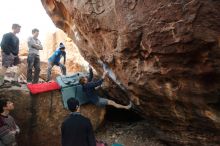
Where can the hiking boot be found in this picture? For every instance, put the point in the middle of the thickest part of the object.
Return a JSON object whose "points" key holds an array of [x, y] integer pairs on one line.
{"points": [[16, 83], [23, 82], [5, 85], [7, 81], [29, 81], [42, 82]]}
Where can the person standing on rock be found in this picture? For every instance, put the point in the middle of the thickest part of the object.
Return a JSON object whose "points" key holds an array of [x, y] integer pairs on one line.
{"points": [[33, 59], [76, 130], [10, 50], [8, 127], [55, 60], [89, 88]]}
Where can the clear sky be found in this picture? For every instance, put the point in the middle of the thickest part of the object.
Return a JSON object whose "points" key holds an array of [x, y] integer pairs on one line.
{"points": [[29, 14]]}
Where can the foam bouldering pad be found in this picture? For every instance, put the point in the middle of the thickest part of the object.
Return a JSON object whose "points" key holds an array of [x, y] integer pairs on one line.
{"points": [[70, 88], [74, 92], [43, 87]]}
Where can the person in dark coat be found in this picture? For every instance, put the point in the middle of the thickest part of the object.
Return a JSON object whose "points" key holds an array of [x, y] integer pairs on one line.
{"points": [[76, 130]]}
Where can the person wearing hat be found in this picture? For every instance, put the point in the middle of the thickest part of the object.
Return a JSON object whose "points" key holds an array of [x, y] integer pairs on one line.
{"points": [[55, 60], [76, 130]]}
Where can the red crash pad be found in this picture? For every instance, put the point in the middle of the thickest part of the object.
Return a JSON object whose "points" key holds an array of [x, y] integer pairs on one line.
{"points": [[43, 87]]}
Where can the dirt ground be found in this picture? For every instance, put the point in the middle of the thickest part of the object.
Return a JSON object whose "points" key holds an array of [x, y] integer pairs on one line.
{"points": [[127, 134], [126, 128]]}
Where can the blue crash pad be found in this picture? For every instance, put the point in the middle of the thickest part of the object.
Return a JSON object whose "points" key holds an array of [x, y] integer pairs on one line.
{"points": [[70, 87]]}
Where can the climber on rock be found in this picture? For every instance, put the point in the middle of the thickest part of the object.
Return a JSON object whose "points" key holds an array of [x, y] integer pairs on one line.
{"points": [[89, 88], [55, 60]]}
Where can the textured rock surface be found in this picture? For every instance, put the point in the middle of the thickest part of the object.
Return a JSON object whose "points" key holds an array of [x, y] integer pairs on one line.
{"points": [[164, 53], [40, 116]]}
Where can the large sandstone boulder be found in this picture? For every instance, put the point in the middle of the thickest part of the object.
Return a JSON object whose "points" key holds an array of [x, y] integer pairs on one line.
{"points": [[40, 116], [164, 54]]}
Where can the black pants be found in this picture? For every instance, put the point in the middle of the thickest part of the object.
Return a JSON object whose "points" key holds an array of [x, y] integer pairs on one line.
{"points": [[33, 60]]}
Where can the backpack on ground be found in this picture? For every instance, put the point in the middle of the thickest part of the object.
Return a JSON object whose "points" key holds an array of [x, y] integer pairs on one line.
{"points": [[70, 87]]}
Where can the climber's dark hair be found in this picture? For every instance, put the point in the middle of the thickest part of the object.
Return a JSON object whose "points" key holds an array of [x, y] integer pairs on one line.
{"points": [[72, 104], [82, 80]]}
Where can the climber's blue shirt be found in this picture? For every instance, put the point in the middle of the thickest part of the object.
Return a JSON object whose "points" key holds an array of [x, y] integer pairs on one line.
{"points": [[57, 55]]}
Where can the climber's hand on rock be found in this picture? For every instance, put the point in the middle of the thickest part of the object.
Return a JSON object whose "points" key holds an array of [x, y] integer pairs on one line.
{"points": [[90, 67], [104, 74]]}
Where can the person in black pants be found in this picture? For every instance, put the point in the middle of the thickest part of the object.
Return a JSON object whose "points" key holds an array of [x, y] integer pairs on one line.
{"points": [[76, 130]]}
